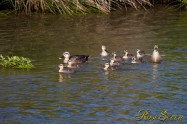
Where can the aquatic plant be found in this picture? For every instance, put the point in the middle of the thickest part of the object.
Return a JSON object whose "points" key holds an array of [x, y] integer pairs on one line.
{"points": [[15, 62], [71, 7]]}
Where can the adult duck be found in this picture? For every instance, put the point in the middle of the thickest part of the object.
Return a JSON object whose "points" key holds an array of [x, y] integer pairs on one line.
{"points": [[74, 58], [156, 57]]}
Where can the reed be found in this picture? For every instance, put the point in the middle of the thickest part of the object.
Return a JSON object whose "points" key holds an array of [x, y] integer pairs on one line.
{"points": [[183, 3], [15, 62], [70, 7]]}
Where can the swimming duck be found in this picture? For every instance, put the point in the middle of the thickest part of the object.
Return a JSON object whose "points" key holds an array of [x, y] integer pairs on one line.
{"points": [[74, 58], [156, 58], [140, 54], [114, 63], [135, 60], [127, 55], [65, 69], [108, 67], [117, 58], [104, 52]]}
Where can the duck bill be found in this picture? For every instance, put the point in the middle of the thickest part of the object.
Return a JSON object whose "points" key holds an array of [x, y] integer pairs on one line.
{"points": [[61, 57]]}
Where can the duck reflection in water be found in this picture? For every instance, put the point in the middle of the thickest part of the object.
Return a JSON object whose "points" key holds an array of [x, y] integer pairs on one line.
{"points": [[155, 71], [63, 77]]}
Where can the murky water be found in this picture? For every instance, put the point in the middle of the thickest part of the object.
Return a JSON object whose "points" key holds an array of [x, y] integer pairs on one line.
{"points": [[92, 96]]}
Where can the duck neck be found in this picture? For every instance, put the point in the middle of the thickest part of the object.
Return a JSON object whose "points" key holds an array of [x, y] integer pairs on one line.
{"points": [[104, 53], [66, 59], [69, 64], [61, 69], [138, 53], [126, 54], [106, 67], [155, 53]]}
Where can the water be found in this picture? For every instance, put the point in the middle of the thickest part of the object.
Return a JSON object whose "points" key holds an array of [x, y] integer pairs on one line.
{"points": [[43, 96]]}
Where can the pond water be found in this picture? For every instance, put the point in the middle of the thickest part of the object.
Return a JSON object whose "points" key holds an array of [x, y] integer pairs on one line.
{"points": [[44, 96]]}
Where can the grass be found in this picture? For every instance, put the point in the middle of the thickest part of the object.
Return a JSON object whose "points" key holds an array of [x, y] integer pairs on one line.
{"points": [[15, 62], [72, 7], [183, 3]]}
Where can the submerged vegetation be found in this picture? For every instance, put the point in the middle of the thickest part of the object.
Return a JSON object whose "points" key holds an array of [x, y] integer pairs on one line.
{"points": [[70, 7], [15, 62]]}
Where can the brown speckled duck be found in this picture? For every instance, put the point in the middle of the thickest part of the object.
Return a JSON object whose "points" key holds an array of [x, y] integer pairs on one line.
{"points": [[74, 58]]}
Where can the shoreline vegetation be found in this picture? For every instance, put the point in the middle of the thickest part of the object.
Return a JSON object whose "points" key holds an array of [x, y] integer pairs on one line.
{"points": [[15, 62], [73, 7]]}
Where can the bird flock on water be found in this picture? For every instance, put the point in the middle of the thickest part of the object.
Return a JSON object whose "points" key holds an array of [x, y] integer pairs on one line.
{"points": [[115, 61]]}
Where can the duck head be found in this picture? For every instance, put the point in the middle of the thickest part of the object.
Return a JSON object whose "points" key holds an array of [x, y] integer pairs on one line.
{"points": [[133, 59], [61, 66], [126, 52], [138, 50], [65, 55], [111, 61], [156, 47], [103, 47], [114, 54], [106, 66]]}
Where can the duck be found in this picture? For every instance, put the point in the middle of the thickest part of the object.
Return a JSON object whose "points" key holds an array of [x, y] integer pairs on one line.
{"points": [[104, 52], [114, 63], [63, 69], [140, 54], [135, 60], [74, 58], [116, 58], [156, 57], [127, 55], [108, 67]]}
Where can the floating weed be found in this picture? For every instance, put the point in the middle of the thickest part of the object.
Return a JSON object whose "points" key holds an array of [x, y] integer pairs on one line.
{"points": [[15, 62]]}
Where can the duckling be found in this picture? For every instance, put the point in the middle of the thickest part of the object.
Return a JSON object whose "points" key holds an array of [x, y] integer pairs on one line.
{"points": [[127, 55], [104, 52], [108, 67], [140, 54], [74, 58], [117, 58], [63, 69], [114, 63], [156, 57], [135, 60]]}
